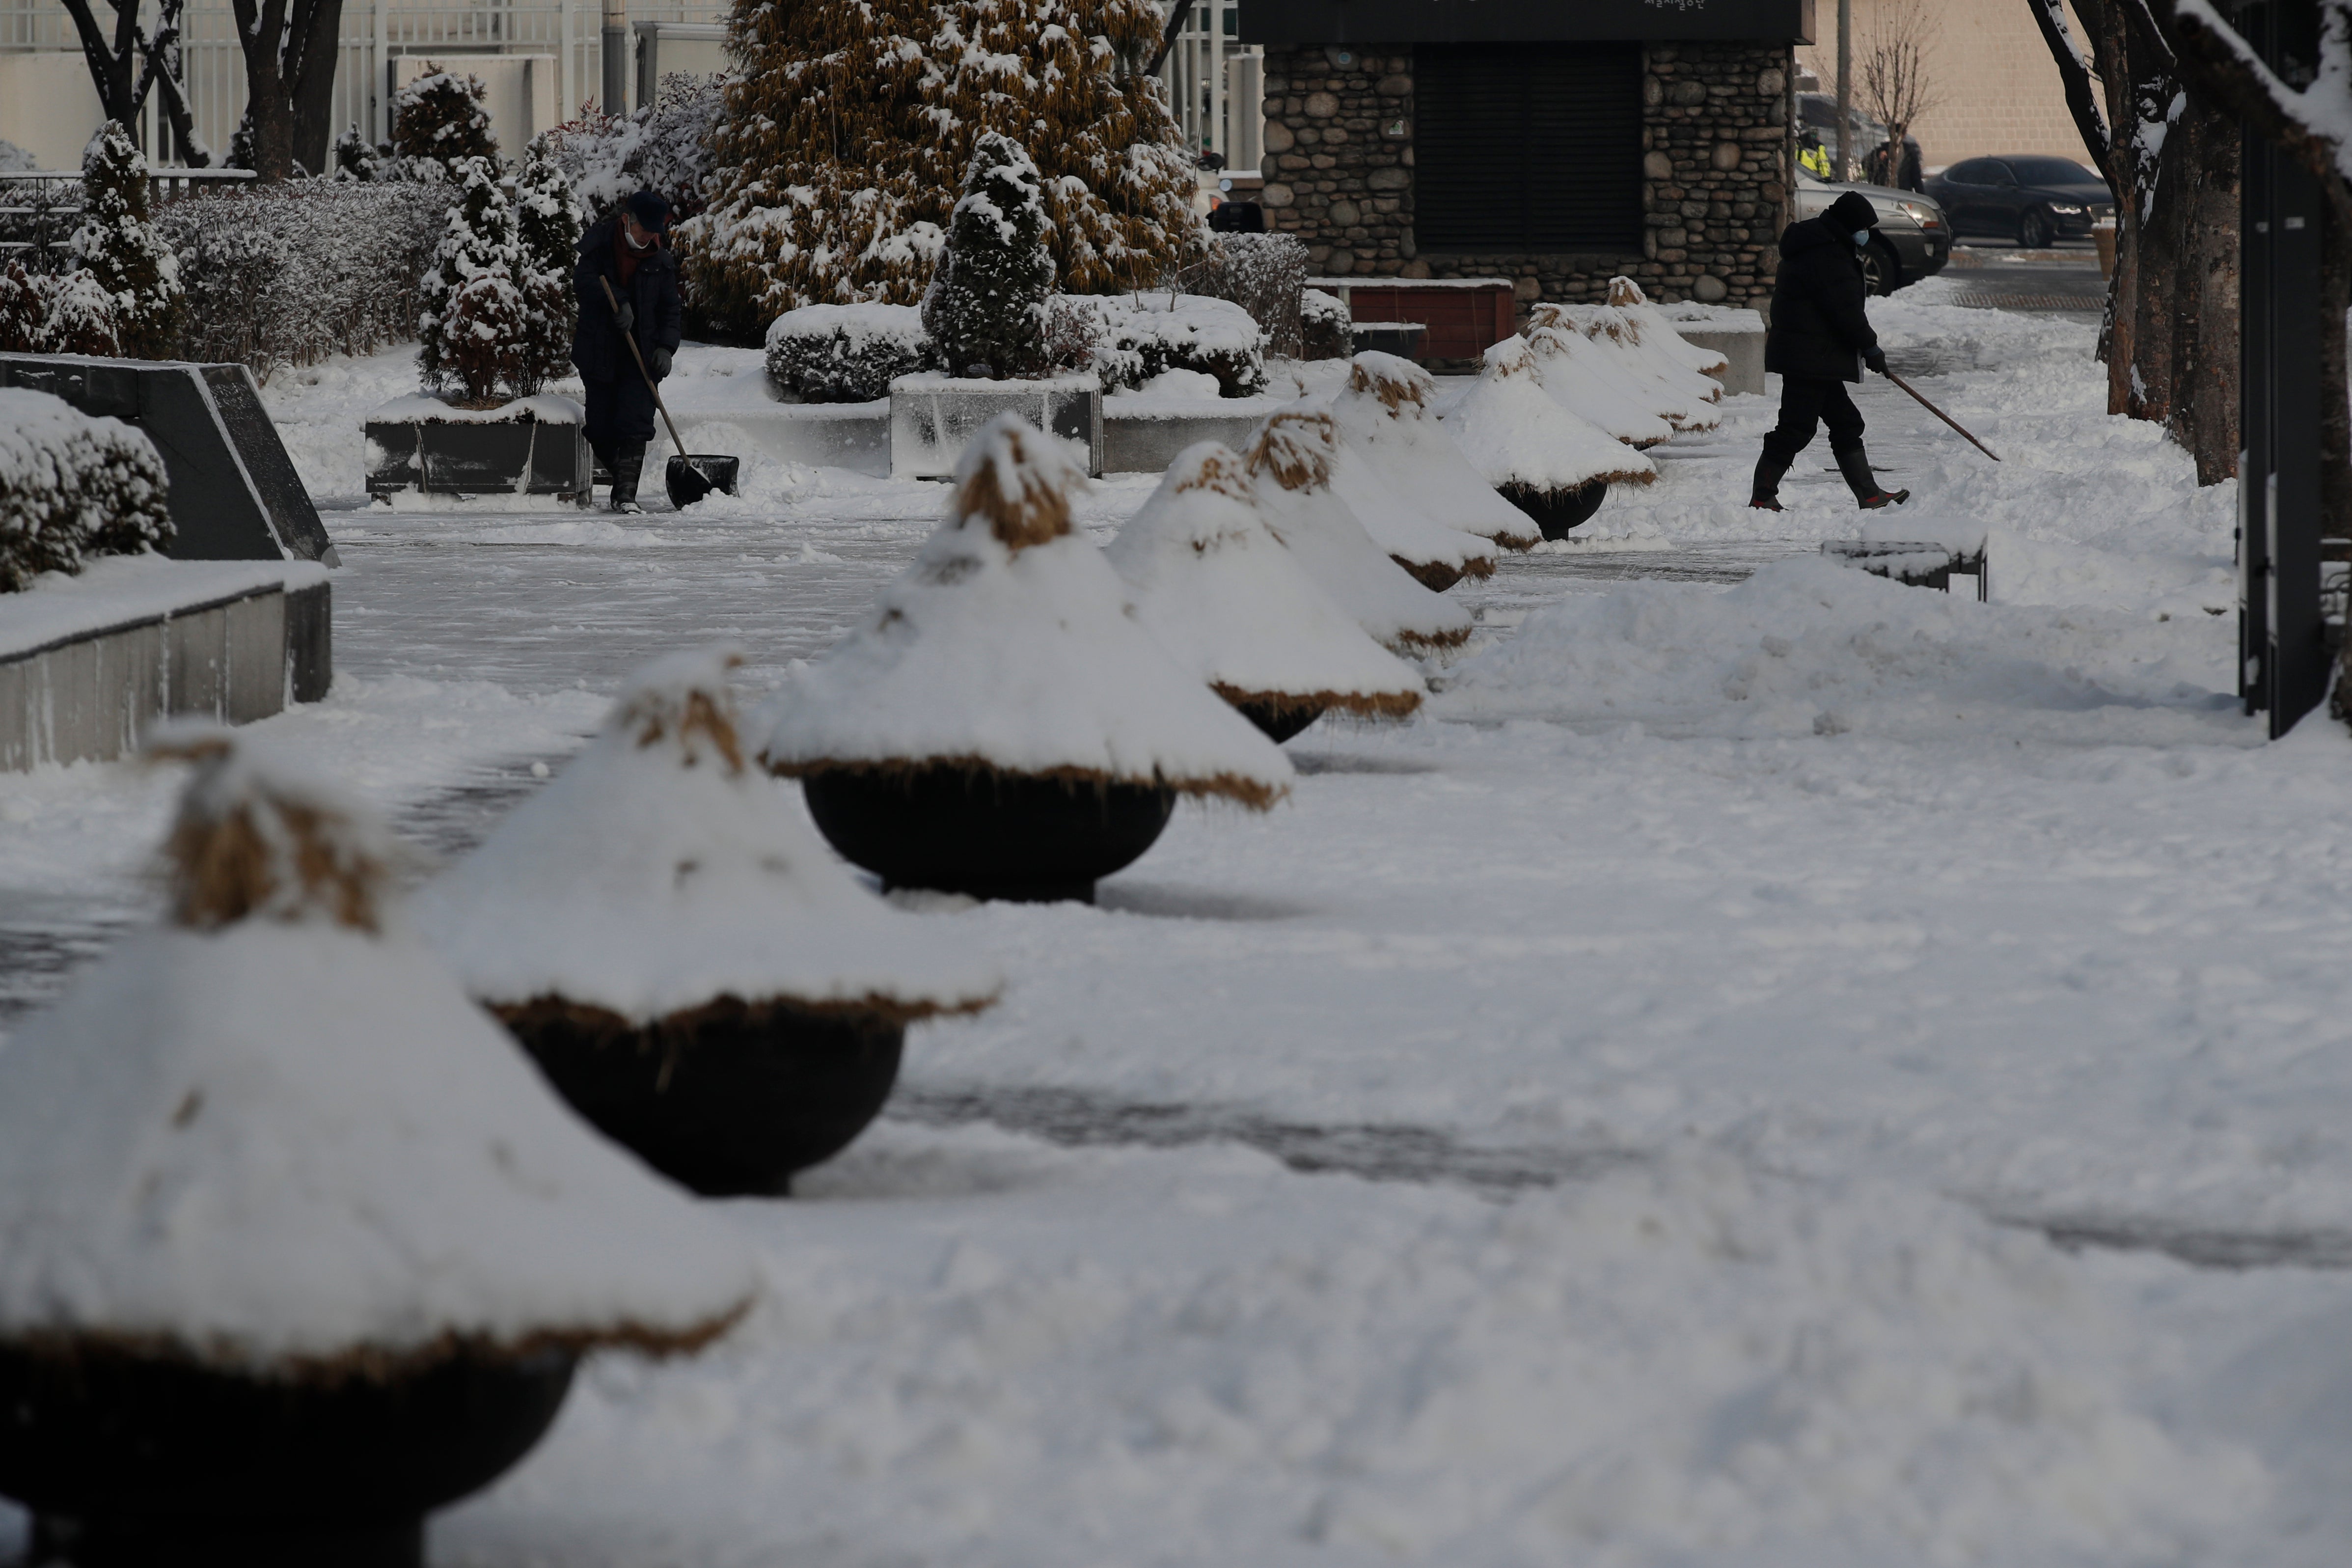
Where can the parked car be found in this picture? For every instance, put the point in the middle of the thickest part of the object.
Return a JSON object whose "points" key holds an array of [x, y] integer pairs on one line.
{"points": [[1914, 238], [2032, 201], [1819, 111]]}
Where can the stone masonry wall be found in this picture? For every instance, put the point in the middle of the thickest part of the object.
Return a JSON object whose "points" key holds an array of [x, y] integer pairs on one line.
{"points": [[1339, 169]]}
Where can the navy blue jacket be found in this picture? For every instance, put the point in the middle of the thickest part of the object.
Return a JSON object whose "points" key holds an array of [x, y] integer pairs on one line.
{"points": [[596, 346], [1820, 330]]}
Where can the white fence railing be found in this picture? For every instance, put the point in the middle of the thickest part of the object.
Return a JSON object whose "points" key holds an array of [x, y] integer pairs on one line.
{"points": [[1215, 83]]}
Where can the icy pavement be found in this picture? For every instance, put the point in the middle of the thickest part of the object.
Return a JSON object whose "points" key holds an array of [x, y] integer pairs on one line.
{"points": [[1618, 1118]]}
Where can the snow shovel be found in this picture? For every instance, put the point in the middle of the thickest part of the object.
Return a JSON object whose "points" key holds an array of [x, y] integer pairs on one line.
{"points": [[1923, 402], [690, 476]]}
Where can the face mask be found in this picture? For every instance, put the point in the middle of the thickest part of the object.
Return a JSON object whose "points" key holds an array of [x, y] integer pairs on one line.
{"points": [[1862, 236]]}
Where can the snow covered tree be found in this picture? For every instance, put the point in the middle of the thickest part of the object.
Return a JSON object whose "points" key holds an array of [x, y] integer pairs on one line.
{"points": [[850, 127], [986, 304], [357, 158], [547, 222], [54, 313], [438, 122], [475, 324], [118, 247], [663, 146]]}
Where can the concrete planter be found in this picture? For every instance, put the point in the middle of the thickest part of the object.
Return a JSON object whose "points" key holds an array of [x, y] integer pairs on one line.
{"points": [[532, 447], [933, 416], [90, 664], [853, 435]]}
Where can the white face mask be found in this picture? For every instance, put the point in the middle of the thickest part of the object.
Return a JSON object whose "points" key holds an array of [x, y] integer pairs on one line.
{"points": [[1862, 236]]}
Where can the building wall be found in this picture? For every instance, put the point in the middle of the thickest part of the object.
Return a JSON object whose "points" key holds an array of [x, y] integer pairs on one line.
{"points": [[1338, 166], [1998, 87]]}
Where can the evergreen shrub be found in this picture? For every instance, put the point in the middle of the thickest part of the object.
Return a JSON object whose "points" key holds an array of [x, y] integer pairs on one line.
{"points": [[439, 125], [472, 328], [846, 353], [72, 487], [1326, 328], [120, 249], [986, 304], [663, 146], [547, 236]]}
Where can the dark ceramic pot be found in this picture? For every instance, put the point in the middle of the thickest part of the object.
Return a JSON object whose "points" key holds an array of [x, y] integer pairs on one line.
{"points": [[1278, 723], [992, 835], [130, 1461], [1557, 511], [730, 1101]]}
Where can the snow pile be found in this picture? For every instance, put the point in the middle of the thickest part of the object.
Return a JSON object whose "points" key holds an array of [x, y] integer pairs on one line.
{"points": [[659, 873], [1227, 600], [1810, 646], [1588, 381], [1409, 484], [1008, 646], [846, 353], [1657, 331], [1140, 335], [1513, 433], [1291, 465], [275, 1133], [71, 486]]}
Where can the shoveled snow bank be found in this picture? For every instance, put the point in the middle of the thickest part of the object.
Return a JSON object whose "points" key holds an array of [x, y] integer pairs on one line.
{"points": [[275, 1130], [1226, 599], [1291, 465], [1513, 433], [1407, 482], [659, 872], [1008, 646]]}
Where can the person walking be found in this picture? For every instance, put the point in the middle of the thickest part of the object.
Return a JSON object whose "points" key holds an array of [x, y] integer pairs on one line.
{"points": [[1819, 340], [627, 250]]}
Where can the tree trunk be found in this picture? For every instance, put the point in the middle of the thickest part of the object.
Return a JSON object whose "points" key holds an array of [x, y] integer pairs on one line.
{"points": [[2201, 173], [312, 94]]}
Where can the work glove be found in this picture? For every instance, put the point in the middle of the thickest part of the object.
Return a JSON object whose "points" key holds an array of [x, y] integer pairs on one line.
{"points": [[1876, 359], [658, 363], [625, 318]]}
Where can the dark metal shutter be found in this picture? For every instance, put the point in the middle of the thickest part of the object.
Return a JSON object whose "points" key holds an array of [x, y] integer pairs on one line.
{"points": [[1528, 147]]}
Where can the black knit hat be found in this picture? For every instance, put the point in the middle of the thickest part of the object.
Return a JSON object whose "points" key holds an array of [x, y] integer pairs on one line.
{"points": [[1849, 211], [650, 210]]}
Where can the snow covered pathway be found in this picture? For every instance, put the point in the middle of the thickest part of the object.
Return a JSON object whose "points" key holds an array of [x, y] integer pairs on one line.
{"points": [[1719, 988]]}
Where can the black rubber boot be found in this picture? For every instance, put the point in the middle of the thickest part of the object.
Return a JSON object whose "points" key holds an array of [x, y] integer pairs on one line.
{"points": [[1765, 494], [627, 461], [1854, 464]]}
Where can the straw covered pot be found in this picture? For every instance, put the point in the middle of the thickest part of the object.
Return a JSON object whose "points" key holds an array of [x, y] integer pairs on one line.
{"points": [[294, 1247], [1001, 725], [681, 957], [1407, 482], [1537, 455]]}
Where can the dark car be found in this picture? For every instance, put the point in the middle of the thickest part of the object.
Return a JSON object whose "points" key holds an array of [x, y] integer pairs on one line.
{"points": [[1913, 241], [1865, 137], [2032, 201]]}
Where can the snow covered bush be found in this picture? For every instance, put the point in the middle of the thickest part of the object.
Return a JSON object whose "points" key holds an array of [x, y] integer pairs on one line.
{"points": [[292, 273], [54, 313], [1326, 330], [1265, 274], [845, 353], [1144, 334], [547, 234], [849, 128], [438, 123], [121, 250], [72, 487], [985, 309], [357, 158], [664, 145], [473, 325]]}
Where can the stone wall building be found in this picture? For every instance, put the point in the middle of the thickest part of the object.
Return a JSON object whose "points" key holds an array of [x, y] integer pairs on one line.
{"points": [[1556, 145]]}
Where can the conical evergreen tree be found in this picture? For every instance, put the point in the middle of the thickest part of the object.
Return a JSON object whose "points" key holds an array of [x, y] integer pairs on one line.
{"points": [[438, 122], [547, 232], [986, 304], [850, 127], [474, 321], [122, 250]]}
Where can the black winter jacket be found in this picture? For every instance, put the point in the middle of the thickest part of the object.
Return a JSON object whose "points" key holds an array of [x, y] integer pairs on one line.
{"points": [[596, 346], [1820, 330]]}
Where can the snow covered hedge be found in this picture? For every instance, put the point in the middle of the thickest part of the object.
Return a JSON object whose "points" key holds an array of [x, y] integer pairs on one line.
{"points": [[1143, 334], [664, 145], [288, 274], [846, 353], [1265, 274], [71, 486], [1326, 331]]}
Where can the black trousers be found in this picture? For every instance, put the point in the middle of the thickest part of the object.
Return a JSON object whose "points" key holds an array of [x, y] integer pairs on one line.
{"points": [[1807, 402]]}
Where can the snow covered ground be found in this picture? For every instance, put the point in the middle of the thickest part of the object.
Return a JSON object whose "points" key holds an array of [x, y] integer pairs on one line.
{"points": [[1621, 1116]]}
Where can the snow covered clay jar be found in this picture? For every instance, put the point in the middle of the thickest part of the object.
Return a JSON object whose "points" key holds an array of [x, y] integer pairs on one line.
{"points": [[1001, 725], [683, 958], [1226, 598], [294, 1247]]}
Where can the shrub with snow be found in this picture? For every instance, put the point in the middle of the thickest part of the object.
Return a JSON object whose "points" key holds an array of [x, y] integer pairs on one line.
{"points": [[846, 353], [357, 158], [1518, 439], [547, 238], [1410, 486], [1228, 601], [440, 124], [360, 1170], [475, 318], [664, 145], [1007, 646], [1291, 461], [1265, 274], [1142, 335], [55, 313], [985, 309], [72, 487], [121, 250], [1326, 328], [848, 128]]}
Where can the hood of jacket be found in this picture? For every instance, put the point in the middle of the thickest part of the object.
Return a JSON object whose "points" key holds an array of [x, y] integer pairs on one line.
{"points": [[1813, 234], [601, 235]]}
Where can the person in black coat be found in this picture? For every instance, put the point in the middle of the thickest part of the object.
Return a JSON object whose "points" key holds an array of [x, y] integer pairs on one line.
{"points": [[1821, 338], [627, 251]]}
